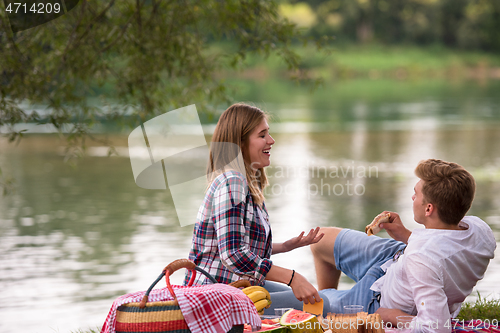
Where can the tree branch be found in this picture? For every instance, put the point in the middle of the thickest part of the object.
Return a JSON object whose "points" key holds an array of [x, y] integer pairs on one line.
{"points": [[124, 29], [91, 24], [138, 11], [12, 41]]}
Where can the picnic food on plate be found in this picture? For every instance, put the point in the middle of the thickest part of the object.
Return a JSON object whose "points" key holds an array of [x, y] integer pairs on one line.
{"points": [[296, 321], [373, 228], [315, 309], [360, 322], [276, 328], [259, 296]]}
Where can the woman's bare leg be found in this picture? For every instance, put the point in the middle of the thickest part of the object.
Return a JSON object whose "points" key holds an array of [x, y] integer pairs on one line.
{"points": [[327, 274]]}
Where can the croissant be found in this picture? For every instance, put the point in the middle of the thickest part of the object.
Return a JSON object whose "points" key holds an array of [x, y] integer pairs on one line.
{"points": [[373, 228]]}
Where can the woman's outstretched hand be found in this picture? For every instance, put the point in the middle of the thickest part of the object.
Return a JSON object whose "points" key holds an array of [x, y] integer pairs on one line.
{"points": [[311, 238]]}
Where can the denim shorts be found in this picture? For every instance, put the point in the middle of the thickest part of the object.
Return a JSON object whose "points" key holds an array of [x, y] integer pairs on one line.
{"points": [[360, 256]]}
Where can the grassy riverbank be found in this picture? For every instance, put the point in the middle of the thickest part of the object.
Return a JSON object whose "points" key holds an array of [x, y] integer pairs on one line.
{"points": [[482, 309], [381, 61]]}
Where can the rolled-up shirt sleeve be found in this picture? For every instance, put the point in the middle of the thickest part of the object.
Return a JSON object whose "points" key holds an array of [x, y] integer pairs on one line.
{"points": [[427, 285], [233, 238]]}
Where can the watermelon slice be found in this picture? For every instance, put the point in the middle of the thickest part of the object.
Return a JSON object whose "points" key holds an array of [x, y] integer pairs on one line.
{"points": [[300, 321], [273, 321]]}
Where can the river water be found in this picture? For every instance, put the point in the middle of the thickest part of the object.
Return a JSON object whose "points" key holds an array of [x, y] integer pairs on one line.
{"points": [[72, 239]]}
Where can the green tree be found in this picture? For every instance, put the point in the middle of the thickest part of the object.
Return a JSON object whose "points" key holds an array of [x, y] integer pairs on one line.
{"points": [[480, 27], [466, 24], [124, 62], [140, 57]]}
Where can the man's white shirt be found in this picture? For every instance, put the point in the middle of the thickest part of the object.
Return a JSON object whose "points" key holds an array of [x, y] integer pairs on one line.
{"points": [[436, 273]]}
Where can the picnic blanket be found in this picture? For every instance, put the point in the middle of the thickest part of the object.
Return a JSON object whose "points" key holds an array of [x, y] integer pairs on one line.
{"points": [[475, 326], [461, 326], [207, 309]]}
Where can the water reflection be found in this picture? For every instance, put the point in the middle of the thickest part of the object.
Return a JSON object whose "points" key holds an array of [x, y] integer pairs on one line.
{"points": [[72, 239]]}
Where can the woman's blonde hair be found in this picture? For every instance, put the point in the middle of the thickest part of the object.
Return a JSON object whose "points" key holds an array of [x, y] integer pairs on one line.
{"points": [[235, 126]]}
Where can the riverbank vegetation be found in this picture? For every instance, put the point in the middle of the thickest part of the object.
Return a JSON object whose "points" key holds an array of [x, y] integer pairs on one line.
{"points": [[483, 309], [377, 61], [456, 24], [398, 39]]}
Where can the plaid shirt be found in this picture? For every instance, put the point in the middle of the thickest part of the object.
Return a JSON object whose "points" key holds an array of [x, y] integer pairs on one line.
{"points": [[229, 239]]}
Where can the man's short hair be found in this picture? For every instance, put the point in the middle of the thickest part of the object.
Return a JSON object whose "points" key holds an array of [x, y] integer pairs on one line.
{"points": [[448, 186]]}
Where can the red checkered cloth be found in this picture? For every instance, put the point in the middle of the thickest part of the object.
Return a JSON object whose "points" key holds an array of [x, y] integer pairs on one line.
{"points": [[207, 309], [216, 308], [490, 326], [469, 326]]}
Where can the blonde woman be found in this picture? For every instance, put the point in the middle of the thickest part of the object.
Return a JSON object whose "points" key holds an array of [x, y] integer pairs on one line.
{"points": [[232, 237]]}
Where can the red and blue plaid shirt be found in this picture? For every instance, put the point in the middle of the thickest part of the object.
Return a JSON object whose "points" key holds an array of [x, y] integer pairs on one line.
{"points": [[229, 239]]}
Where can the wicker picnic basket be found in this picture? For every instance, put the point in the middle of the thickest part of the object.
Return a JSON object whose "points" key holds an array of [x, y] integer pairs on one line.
{"points": [[164, 316]]}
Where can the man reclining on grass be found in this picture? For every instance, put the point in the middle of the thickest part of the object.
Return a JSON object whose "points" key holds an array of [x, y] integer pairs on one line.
{"points": [[426, 273]]}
